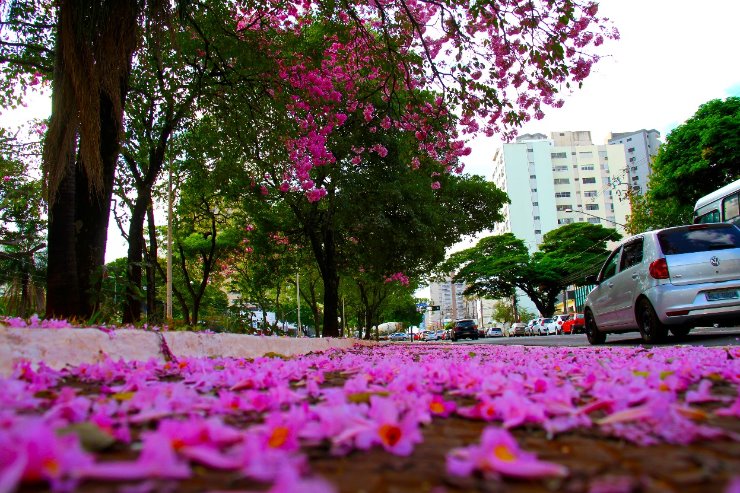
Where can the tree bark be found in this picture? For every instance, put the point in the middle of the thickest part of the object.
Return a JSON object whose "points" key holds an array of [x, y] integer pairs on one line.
{"points": [[63, 295], [153, 315]]}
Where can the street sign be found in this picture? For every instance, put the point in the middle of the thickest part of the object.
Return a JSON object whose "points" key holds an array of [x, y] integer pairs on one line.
{"points": [[421, 305], [435, 308]]}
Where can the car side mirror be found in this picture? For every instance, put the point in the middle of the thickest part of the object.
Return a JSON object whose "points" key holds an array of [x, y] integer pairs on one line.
{"points": [[593, 279]]}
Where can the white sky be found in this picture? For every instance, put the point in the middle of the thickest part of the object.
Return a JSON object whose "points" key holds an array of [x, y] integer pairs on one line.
{"points": [[673, 56]]}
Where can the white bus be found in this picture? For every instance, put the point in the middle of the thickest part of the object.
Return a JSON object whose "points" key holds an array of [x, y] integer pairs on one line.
{"points": [[720, 206]]}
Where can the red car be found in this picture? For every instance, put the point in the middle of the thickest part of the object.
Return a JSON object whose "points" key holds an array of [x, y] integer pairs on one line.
{"points": [[576, 324]]}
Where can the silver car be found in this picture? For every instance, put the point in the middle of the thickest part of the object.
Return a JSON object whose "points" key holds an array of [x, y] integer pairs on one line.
{"points": [[670, 279]]}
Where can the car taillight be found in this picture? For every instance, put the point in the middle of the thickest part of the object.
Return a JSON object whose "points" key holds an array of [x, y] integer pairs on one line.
{"points": [[659, 269]]}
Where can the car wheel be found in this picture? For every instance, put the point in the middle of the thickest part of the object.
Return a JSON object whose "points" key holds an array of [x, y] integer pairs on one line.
{"points": [[651, 328], [594, 335], [681, 331]]}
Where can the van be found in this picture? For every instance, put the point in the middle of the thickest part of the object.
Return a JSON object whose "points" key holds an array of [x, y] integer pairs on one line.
{"points": [[720, 206]]}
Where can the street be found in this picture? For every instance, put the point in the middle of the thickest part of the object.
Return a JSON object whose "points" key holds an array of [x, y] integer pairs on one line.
{"points": [[700, 336]]}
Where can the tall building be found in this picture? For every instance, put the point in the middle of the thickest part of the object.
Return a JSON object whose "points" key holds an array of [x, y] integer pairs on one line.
{"points": [[559, 180], [640, 147], [442, 294]]}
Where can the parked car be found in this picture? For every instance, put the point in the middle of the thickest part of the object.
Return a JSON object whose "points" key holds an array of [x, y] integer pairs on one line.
{"points": [[429, 335], [465, 328], [575, 324], [540, 327], [441, 334], [399, 336], [559, 320], [494, 332], [669, 279], [531, 327], [518, 329]]}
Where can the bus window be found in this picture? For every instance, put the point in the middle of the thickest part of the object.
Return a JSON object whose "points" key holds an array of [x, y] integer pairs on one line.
{"points": [[719, 206], [709, 217], [731, 208]]}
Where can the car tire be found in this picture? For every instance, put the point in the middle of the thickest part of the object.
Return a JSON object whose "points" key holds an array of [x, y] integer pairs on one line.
{"points": [[681, 331], [652, 329], [594, 335]]}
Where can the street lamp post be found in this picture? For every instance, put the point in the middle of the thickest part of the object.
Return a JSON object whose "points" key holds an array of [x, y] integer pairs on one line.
{"points": [[597, 217]]}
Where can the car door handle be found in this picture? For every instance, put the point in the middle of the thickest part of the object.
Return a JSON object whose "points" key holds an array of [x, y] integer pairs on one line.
{"points": [[611, 284], [635, 276]]}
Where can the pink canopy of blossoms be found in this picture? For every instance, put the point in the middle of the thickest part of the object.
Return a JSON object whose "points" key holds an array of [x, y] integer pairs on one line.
{"points": [[180, 414], [492, 68]]}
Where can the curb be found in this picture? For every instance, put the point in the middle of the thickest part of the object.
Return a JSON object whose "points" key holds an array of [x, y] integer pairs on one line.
{"points": [[58, 348]]}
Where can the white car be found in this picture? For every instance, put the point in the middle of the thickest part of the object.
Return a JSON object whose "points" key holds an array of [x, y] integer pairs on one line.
{"points": [[494, 332], [556, 326], [540, 327], [429, 335], [669, 279]]}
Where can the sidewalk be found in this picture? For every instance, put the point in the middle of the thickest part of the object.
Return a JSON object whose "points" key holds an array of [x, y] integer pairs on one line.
{"points": [[58, 348]]}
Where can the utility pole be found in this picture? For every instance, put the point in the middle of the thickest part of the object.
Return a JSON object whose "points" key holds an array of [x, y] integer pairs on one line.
{"points": [[298, 299], [453, 291], [168, 314]]}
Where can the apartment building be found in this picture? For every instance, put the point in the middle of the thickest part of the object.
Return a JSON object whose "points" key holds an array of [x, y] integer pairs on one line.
{"points": [[640, 148], [560, 179], [452, 304]]}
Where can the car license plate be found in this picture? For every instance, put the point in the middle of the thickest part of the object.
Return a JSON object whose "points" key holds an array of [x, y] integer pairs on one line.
{"points": [[725, 294]]}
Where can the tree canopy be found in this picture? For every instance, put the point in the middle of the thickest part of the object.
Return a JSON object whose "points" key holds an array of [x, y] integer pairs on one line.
{"points": [[300, 91], [497, 265]]}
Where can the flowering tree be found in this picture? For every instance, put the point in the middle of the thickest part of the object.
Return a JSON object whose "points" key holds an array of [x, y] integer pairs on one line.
{"points": [[494, 65]]}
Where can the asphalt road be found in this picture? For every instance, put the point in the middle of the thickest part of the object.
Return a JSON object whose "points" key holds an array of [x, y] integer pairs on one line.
{"points": [[700, 336]]}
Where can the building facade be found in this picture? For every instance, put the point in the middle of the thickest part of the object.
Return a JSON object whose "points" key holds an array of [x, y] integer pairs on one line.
{"points": [[449, 297], [560, 180], [640, 148]]}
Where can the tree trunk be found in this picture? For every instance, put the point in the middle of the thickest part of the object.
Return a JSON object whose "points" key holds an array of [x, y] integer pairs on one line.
{"points": [[151, 269], [132, 308], [63, 295], [78, 218]]}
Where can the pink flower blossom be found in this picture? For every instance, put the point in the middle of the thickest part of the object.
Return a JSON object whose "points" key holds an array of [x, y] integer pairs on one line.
{"points": [[498, 453]]}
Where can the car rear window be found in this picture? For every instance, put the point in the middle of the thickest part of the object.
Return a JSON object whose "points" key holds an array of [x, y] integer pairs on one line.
{"points": [[465, 323], [699, 238]]}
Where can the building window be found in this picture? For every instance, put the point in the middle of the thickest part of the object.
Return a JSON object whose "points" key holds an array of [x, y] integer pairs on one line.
{"points": [[536, 218], [591, 193], [562, 181], [592, 207], [535, 204], [562, 194], [631, 149], [585, 154], [534, 190], [588, 167], [566, 220], [533, 177], [589, 180], [560, 168], [629, 139], [632, 159], [562, 208], [594, 220], [538, 231], [558, 155], [530, 150]]}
